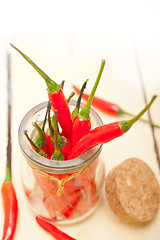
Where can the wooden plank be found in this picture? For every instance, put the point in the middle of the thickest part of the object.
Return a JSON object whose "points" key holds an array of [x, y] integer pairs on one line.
{"points": [[148, 57]]}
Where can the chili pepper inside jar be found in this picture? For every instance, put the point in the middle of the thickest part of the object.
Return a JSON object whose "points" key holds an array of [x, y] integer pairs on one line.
{"points": [[65, 191]]}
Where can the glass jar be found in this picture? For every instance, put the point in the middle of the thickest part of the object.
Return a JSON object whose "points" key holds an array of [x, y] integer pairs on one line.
{"points": [[61, 191]]}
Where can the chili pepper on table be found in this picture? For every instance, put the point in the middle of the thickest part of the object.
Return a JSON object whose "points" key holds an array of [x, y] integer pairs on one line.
{"points": [[56, 97], [54, 231], [109, 107], [10, 206], [104, 134], [10, 209], [82, 123], [9, 198]]}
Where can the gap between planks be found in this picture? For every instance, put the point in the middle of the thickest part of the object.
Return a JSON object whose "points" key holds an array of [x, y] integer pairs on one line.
{"points": [[9, 112], [145, 100]]}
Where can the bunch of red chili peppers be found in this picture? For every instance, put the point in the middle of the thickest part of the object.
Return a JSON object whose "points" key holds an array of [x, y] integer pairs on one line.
{"points": [[75, 126], [76, 136]]}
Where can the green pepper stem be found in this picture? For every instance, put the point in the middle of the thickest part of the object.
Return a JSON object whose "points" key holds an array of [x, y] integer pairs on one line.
{"points": [[52, 86], [85, 112], [56, 131], [40, 138], [62, 84], [45, 119], [8, 175], [51, 129], [126, 125], [76, 109], [39, 151], [70, 96], [121, 111], [57, 155]]}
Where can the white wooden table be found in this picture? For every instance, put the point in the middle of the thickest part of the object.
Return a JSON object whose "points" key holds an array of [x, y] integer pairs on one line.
{"points": [[131, 77]]}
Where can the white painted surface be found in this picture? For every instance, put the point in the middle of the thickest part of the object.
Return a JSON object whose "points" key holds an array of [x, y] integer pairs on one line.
{"points": [[75, 56]]}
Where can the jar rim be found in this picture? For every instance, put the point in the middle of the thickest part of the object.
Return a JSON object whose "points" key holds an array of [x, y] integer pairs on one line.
{"points": [[51, 165]]}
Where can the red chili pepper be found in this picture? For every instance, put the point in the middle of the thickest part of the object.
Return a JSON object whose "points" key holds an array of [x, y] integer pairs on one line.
{"points": [[56, 97], [10, 206], [60, 104], [82, 123], [104, 134], [50, 145], [80, 129], [67, 148], [54, 231], [109, 107]]}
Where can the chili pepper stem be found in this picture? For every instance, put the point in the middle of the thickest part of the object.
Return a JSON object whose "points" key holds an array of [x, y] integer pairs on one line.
{"points": [[62, 84], [126, 125], [41, 136], [51, 124], [84, 114], [52, 86], [56, 132], [57, 155], [8, 175], [45, 119], [76, 109], [121, 111], [110, 107], [38, 150], [81, 93], [70, 96], [51, 129]]}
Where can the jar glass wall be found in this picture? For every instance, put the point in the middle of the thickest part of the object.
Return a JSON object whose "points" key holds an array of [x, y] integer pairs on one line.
{"points": [[42, 178]]}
